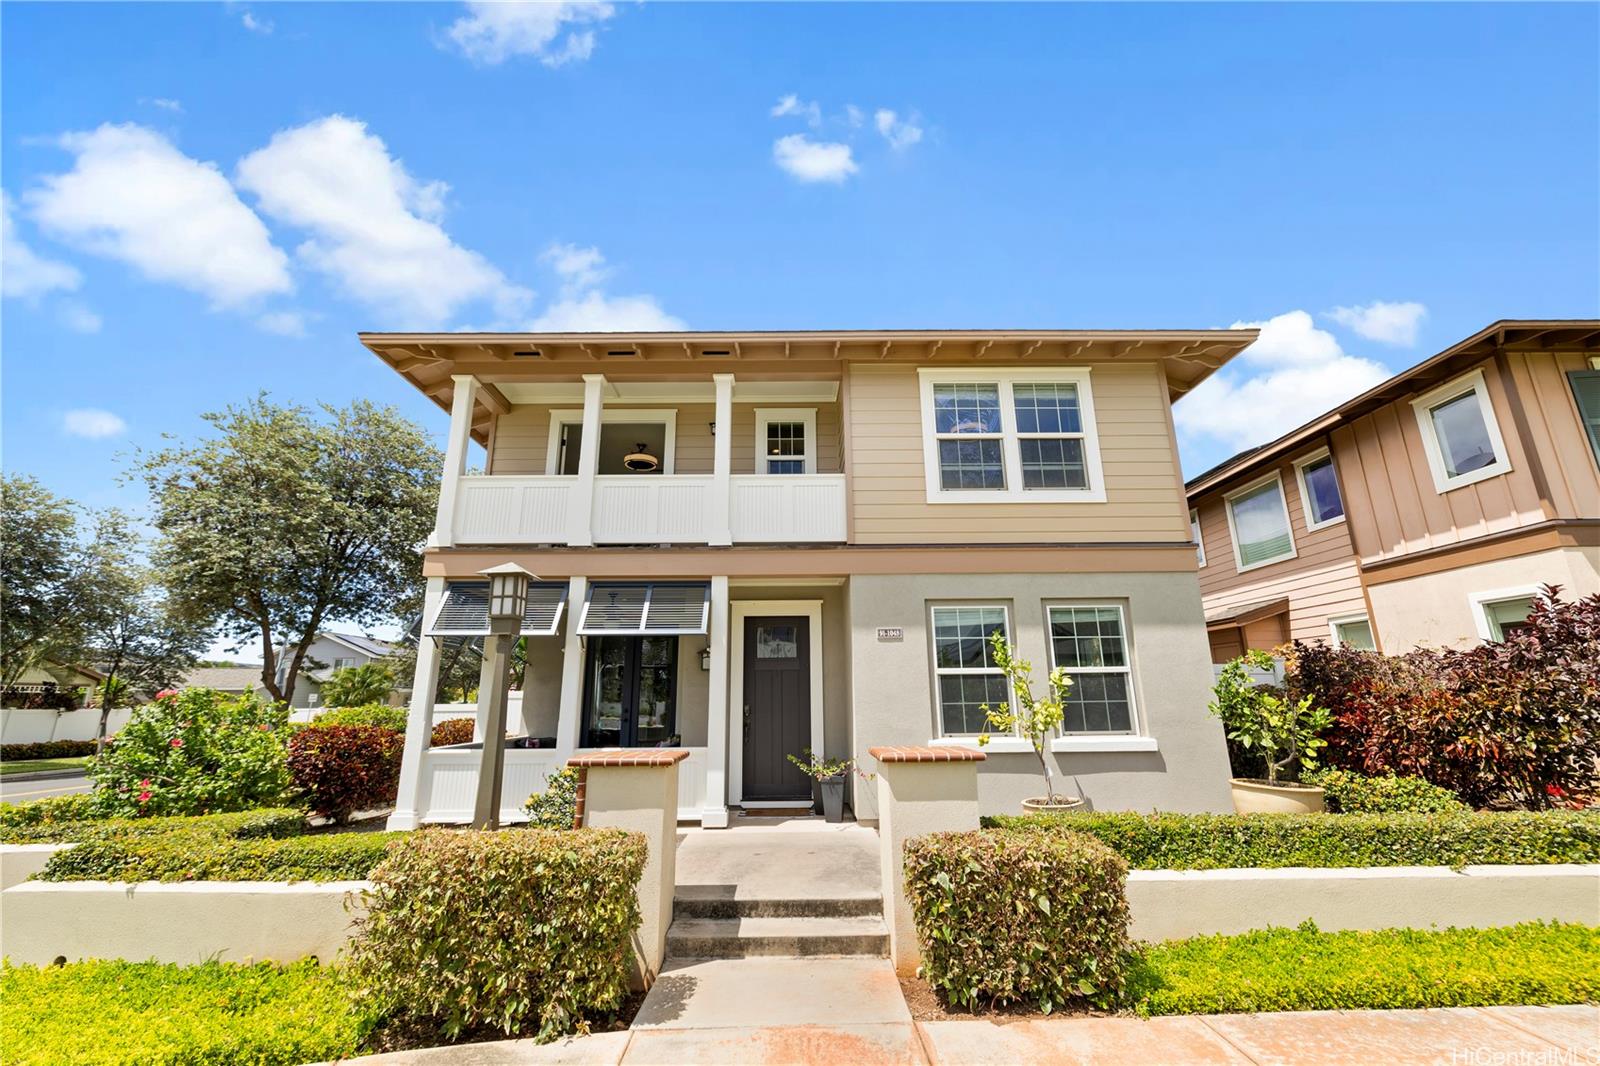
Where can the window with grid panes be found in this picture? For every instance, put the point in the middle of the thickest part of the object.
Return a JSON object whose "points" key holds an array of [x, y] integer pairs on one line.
{"points": [[1091, 643], [966, 425], [965, 674]]}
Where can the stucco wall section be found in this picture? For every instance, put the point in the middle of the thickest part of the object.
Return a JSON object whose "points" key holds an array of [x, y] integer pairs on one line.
{"points": [[892, 686]]}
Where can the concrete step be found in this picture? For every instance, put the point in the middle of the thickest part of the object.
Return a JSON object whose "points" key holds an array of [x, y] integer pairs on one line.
{"points": [[692, 903], [737, 938]]}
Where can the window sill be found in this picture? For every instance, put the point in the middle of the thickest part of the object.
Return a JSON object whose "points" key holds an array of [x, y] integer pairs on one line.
{"points": [[996, 745], [1113, 743], [1472, 477]]}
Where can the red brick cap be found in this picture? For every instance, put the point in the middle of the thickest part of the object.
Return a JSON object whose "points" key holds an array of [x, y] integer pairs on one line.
{"points": [[904, 754], [630, 757]]}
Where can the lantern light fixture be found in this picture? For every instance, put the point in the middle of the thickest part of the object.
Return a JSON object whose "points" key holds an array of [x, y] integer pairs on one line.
{"points": [[508, 591]]}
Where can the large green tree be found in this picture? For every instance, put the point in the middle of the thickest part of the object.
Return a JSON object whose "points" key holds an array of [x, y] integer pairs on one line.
{"points": [[286, 519]]}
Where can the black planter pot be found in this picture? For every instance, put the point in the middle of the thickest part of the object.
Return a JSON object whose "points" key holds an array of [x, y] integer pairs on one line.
{"points": [[832, 790]]}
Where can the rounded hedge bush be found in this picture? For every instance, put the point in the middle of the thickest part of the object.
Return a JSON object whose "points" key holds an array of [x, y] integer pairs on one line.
{"points": [[1352, 793], [341, 769], [378, 714], [452, 731]]}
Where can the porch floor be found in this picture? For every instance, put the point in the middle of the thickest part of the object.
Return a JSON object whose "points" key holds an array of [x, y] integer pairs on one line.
{"points": [[779, 859]]}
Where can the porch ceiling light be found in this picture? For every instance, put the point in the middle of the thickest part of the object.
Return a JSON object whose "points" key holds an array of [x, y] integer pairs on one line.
{"points": [[640, 461], [508, 591]]}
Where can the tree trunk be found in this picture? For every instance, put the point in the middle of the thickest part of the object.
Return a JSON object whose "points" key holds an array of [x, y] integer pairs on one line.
{"points": [[269, 665], [1049, 782]]}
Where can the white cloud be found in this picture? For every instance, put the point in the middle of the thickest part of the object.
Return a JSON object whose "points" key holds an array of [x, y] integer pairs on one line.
{"points": [[792, 105], [283, 323], [23, 272], [132, 196], [596, 311], [93, 423], [492, 32], [854, 115], [79, 318], [165, 104], [373, 226], [1382, 321], [577, 266], [1291, 374], [900, 133], [809, 161], [256, 25]]}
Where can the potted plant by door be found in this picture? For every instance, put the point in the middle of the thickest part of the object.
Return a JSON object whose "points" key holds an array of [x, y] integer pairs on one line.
{"points": [[1259, 718], [828, 779], [1034, 718]]}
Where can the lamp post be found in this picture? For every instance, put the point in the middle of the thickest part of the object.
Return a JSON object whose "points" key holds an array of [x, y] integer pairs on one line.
{"points": [[508, 601]]}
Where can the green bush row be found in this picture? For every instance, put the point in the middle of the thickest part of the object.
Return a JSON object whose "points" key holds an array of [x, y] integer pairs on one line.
{"points": [[196, 855], [1303, 969], [1019, 917], [46, 749], [153, 1014], [1222, 841], [73, 819]]}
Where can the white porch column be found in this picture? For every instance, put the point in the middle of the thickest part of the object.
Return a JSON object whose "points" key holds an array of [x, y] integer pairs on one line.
{"points": [[570, 709], [580, 516], [455, 458], [715, 813], [408, 803], [719, 530]]}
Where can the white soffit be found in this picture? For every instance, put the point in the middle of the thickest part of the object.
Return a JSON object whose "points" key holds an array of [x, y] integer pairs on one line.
{"points": [[655, 392]]}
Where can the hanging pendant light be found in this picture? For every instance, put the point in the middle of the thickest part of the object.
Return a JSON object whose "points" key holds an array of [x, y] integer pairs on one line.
{"points": [[640, 461]]}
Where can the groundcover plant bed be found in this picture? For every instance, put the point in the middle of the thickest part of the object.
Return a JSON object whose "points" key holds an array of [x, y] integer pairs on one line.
{"points": [[1304, 969], [73, 819], [150, 1014], [184, 855], [1225, 841]]}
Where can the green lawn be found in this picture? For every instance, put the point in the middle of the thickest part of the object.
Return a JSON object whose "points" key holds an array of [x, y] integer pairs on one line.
{"points": [[34, 766]]}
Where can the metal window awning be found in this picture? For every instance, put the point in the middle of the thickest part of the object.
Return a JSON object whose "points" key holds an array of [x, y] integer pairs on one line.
{"points": [[464, 611], [678, 607]]}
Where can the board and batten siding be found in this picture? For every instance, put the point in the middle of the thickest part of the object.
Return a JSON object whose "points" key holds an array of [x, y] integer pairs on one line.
{"points": [[1144, 501], [1321, 581], [1555, 429], [521, 437]]}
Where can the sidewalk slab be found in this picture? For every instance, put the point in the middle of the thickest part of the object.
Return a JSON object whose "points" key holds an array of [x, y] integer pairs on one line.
{"points": [[1075, 1041], [790, 1045], [1448, 1036], [1574, 1029], [759, 993], [600, 1049]]}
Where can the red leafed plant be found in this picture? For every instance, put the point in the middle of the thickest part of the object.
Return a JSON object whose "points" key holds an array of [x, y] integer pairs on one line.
{"points": [[341, 769], [452, 731]]}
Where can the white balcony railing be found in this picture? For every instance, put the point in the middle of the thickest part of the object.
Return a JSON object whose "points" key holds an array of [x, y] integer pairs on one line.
{"points": [[650, 509]]}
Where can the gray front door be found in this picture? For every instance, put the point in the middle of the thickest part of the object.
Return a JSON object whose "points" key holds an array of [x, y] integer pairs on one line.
{"points": [[777, 707]]}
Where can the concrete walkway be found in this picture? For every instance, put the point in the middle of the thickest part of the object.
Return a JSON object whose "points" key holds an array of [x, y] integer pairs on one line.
{"points": [[1457, 1036]]}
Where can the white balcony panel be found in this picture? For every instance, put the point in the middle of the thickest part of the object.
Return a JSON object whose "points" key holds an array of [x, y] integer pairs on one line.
{"points": [[512, 510], [788, 508], [651, 509]]}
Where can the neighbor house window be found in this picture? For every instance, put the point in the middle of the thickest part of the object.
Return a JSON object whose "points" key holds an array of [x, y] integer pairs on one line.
{"points": [[786, 441], [1460, 434], [1319, 490], [343, 664], [1353, 632], [1091, 644], [1259, 521], [1586, 391], [965, 674], [1194, 531], [1010, 436], [1503, 612]]}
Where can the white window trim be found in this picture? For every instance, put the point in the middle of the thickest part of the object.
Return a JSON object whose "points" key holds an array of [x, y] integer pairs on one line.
{"points": [[1473, 382], [1133, 732], [997, 742], [1335, 621], [1233, 531], [1010, 451], [807, 415], [667, 417], [1480, 602], [1300, 464], [1199, 541]]}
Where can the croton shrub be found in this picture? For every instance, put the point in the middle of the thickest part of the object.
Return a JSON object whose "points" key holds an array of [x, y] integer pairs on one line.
{"points": [[520, 931], [341, 769], [452, 731], [1020, 917]]}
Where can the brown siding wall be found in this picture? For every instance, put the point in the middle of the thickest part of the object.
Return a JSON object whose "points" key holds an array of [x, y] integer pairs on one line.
{"points": [[889, 490], [1555, 430]]}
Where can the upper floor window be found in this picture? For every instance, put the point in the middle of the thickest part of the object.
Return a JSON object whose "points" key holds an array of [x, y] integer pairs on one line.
{"points": [[1319, 490], [1460, 434], [1194, 531], [1012, 436], [786, 440], [1259, 521], [1586, 391], [343, 663]]}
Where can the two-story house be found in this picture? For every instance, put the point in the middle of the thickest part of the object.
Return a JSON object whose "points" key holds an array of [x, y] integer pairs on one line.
{"points": [[1426, 511], [751, 544]]}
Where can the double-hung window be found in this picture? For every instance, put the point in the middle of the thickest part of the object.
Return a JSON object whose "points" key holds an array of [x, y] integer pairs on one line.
{"points": [[1459, 433], [1010, 436], [1194, 531], [1353, 631], [965, 675], [1319, 490], [1258, 518], [1091, 642], [786, 440]]}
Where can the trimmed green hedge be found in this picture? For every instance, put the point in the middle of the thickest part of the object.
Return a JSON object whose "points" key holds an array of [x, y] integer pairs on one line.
{"points": [[1019, 917], [1303, 969], [1222, 841], [46, 749], [152, 1014], [1347, 792], [71, 820], [197, 855]]}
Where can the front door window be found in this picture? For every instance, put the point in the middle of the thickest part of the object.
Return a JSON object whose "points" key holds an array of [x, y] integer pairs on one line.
{"points": [[630, 691]]}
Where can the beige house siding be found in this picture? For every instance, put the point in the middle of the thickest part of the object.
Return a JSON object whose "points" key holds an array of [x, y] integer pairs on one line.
{"points": [[888, 486]]}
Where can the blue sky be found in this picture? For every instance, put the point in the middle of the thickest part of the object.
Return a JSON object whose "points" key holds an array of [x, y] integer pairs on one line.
{"points": [[207, 200]]}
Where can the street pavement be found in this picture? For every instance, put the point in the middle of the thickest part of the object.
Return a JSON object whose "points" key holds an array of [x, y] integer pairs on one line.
{"points": [[13, 790]]}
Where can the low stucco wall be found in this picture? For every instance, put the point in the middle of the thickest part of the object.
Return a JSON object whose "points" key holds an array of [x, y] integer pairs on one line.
{"points": [[1169, 904], [184, 923], [18, 862]]}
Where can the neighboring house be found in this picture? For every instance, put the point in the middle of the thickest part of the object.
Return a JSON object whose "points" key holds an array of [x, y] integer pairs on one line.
{"points": [[328, 653], [750, 544], [232, 680], [1426, 511]]}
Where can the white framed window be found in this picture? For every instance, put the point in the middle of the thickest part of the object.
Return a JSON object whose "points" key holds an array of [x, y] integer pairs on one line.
{"points": [[1194, 531], [1460, 434], [1258, 521], [1500, 611], [343, 663], [1010, 436], [1090, 641], [965, 676], [1319, 489], [618, 436], [1352, 631], [786, 440]]}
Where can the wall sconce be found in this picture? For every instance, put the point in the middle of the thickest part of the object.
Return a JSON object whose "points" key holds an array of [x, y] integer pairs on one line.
{"points": [[705, 658]]}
